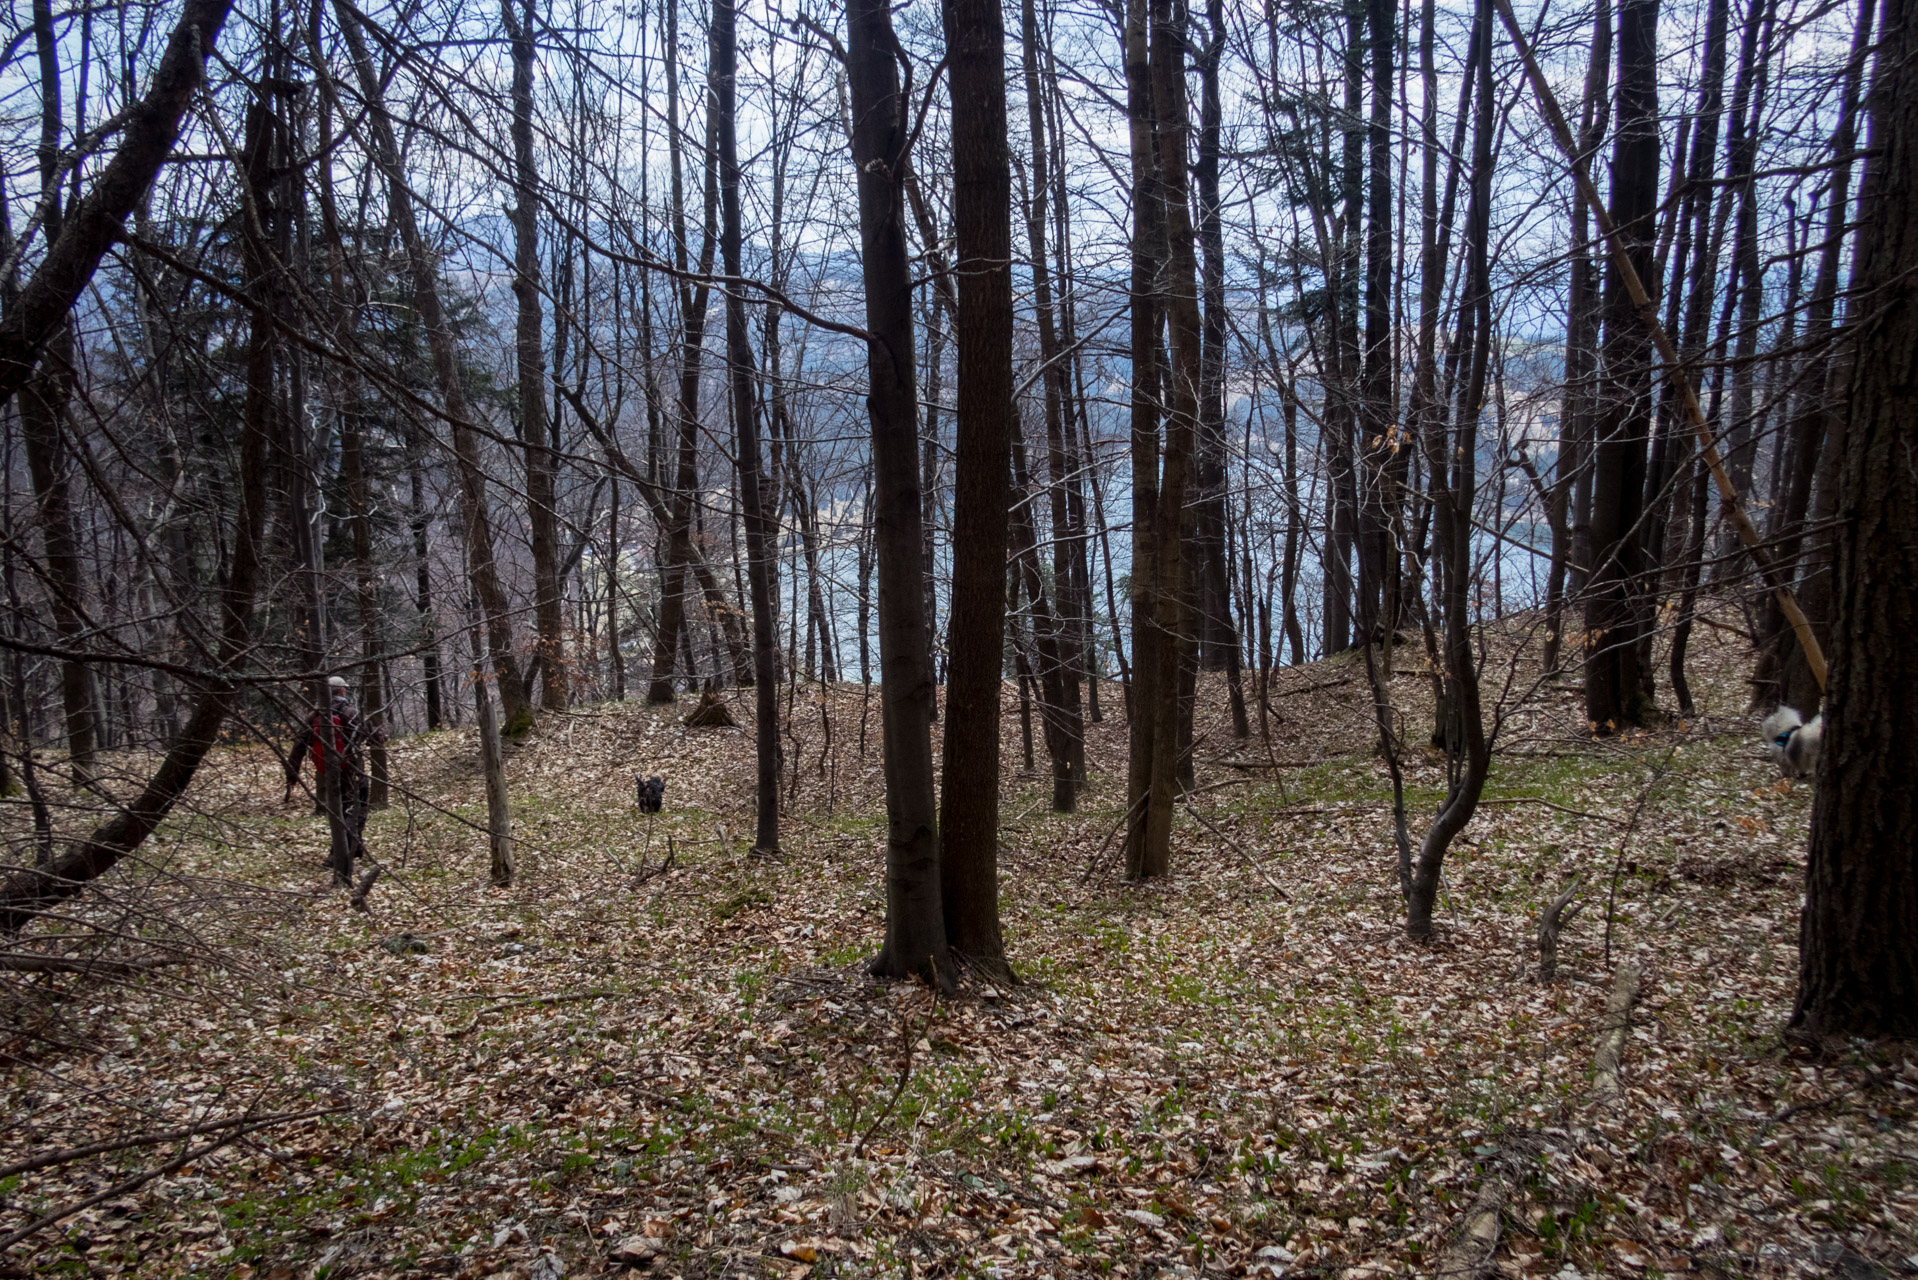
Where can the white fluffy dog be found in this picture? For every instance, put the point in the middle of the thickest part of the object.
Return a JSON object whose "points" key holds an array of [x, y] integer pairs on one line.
{"points": [[1793, 744]]}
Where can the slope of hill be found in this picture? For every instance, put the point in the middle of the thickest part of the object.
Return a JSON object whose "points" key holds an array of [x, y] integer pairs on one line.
{"points": [[656, 1051]]}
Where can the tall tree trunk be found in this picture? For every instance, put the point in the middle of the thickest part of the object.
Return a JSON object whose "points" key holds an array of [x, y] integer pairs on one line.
{"points": [[1571, 481], [1142, 857], [975, 628], [1468, 754], [1067, 548], [482, 567], [760, 543], [693, 303], [1210, 582], [1615, 682], [1858, 961], [1148, 847], [43, 411], [530, 350], [915, 922], [1377, 448], [1783, 671], [1748, 106]]}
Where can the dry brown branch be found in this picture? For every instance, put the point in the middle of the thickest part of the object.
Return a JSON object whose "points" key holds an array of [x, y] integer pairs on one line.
{"points": [[48, 1159], [1550, 922]]}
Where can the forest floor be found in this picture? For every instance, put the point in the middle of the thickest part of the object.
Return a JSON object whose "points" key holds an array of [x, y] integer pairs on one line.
{"points": [[1243, 1069]]}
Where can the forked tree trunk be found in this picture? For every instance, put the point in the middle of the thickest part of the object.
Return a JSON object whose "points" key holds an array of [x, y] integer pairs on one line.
{"points": [[1454, 476], [1149, 842], [1858, 961], [693, 301]]}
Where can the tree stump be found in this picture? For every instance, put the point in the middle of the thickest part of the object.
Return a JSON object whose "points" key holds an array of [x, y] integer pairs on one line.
{"points": [[711, 713]]}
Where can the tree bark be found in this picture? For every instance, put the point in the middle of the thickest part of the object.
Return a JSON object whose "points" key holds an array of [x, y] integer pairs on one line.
{"points": [[530, 350], [915, 923], [1453, 471], [760, 544], [1615, 681], [976, 623], [1858, 961]]}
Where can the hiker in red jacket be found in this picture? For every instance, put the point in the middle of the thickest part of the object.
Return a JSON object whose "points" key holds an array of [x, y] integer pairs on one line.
{"points": [[350, 734]]}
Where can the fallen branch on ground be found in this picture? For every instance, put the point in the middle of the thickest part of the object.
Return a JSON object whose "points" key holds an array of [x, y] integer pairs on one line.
{"points": [[68, 1155], [1618, 1024], [1241, 851], [139, 1180]]}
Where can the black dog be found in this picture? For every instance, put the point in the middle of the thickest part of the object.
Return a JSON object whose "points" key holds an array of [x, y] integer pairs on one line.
{"points": [[652, 792]]}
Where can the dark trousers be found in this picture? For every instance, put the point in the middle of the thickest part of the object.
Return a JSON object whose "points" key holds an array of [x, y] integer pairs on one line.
{"points": [[355, 791]]}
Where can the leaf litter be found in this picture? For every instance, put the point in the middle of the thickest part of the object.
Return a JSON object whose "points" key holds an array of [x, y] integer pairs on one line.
{"points": [[658, 1054]]}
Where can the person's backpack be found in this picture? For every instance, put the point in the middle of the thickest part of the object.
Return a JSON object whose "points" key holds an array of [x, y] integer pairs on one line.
{"points": [[340, 745], [652, 792]]}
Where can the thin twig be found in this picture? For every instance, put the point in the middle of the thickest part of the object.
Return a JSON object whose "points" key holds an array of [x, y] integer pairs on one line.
{"points": [[905, 1068], [68, 1155], [139, 1180], [1241, 851]]}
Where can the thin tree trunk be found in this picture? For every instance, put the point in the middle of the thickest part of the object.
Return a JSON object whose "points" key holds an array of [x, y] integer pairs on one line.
{"points": [[476, 518], [529, 348], [423, 586], [499, 821], [43, 410], [760, 544], [1143, 857], [1468, 754]]}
